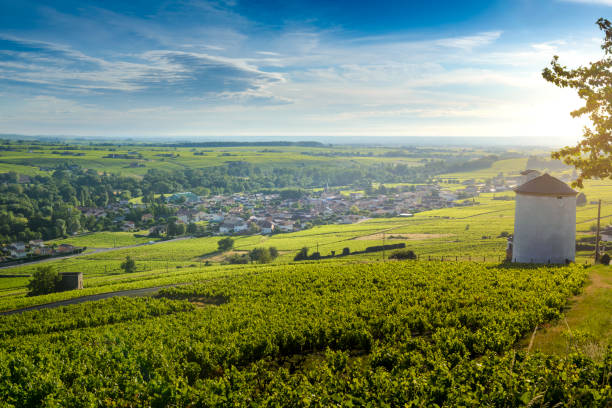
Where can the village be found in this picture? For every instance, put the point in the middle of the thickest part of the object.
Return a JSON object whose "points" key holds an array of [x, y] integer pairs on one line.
{"points": [[186, 213]]}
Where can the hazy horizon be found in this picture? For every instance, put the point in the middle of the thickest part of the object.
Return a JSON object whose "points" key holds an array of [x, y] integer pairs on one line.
{"points": [[293, 70]]}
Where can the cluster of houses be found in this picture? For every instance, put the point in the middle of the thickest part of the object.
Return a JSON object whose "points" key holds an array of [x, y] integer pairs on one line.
{"points": [[270, 213], [33, 249]]}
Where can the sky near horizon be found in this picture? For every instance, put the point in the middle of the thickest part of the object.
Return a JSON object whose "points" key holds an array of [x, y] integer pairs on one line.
{"points": [[293, 68]]}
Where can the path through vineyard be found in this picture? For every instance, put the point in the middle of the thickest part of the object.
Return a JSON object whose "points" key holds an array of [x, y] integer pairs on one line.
{"points": [[588, 323]]}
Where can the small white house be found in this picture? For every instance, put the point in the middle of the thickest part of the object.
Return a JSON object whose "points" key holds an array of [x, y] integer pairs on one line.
{"points": [[18, 253], [233, 226], [266, 226], [606, 234], [286, 226], [545, 222]]}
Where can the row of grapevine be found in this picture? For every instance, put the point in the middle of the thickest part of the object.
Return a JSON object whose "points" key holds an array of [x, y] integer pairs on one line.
{"points": [[395, 334]]}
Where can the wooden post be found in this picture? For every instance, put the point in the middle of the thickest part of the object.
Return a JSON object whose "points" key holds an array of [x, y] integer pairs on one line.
{"points": [[597, 236]]}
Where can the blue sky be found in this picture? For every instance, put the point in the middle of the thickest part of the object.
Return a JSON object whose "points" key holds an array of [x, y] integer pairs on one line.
{"points": [[292, 68]]}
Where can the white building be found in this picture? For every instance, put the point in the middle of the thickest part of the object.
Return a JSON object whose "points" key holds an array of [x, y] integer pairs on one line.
{"points": [[606, 234], [545, 222]]}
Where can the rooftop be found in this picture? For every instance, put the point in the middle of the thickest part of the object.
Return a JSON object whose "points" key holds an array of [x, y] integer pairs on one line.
{"points": [[545, 185]]}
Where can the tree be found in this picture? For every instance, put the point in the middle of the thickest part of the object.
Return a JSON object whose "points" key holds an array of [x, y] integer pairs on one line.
{"points": [[225, 244], [44, 280], [260, 255], [254, 228], [302, 255], [192, 228], [403, 254], [593, 154], [273, 252], [238, 259], [129, 265]]}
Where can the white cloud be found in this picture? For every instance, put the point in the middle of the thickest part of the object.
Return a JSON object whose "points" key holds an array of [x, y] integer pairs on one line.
{"points": [[470, 42], [601, 2], [219, 81]]}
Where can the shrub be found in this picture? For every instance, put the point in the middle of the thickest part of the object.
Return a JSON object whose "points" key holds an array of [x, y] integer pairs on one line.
{"points": [[129, 265], [225, 244], [605, 259], [315, 255], [346, 251], [238, 259], [260, 255], [403, 254], [273, 252], [302, 255], [44, 280]]}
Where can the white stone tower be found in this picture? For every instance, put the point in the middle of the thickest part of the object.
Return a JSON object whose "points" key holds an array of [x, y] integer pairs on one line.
{"points": [[544, 222]]}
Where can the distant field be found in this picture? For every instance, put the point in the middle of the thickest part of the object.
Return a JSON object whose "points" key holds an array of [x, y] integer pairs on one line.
{"points": [[105, 239], [462, 232], [508, 167], [28, 162]]}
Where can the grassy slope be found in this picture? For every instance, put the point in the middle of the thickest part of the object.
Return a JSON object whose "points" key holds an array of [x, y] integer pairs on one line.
{"points": [[105, 239], [588, 321]]}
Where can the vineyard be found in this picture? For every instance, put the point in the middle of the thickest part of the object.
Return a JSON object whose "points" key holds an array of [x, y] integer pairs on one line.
{"points": [[326, 334]]}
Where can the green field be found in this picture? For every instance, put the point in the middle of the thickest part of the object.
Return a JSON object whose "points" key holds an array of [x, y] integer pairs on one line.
{"points": [[466, 233], [306, 335], [105, 239], [26, 161]]}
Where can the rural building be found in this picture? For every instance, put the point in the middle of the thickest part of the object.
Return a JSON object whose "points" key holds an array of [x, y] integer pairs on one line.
{"points": [[266, 226], [65, 249], [128, 226], [606, 234], [71, 280], [43, 251], [545, 221], [233, 226], [146, 217]]}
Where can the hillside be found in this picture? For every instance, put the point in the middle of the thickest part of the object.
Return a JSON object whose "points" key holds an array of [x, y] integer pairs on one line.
{"points": [[353, 334]]}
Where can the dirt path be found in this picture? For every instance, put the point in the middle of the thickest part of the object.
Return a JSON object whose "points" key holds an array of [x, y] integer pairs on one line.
{"points": [[89, 298]]}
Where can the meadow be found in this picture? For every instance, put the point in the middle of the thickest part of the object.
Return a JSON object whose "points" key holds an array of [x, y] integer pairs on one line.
{"points": [[106, 239], [28, 159]]}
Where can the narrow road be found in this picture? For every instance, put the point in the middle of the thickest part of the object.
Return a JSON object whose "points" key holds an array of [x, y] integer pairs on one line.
{"points": [[97, 251], [89, 298]]}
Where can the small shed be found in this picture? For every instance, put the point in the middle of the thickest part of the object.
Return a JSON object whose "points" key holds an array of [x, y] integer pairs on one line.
{"points": [[71, 280], [545, 222]]}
